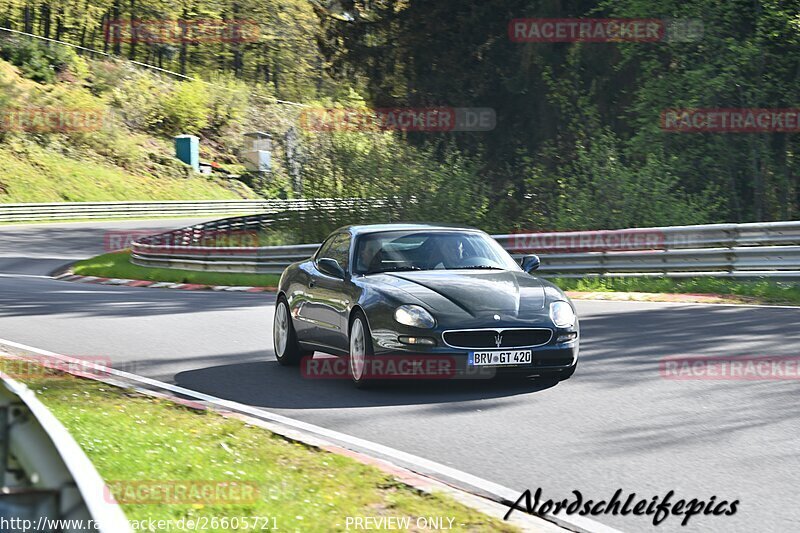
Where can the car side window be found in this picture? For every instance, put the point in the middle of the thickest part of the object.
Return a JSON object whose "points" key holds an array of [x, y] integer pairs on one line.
{"points": [[337, 248], [322, 251]]}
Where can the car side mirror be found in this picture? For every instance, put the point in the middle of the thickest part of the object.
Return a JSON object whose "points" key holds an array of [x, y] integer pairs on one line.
{"points": [[530, 263], [331, 267]]}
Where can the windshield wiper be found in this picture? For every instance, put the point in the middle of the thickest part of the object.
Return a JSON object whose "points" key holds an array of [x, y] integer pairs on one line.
{"points": [[482, 267], [394, 269]]}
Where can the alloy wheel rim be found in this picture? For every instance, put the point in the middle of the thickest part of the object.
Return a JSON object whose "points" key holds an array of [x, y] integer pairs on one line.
{"points": [[281, 329], [357, 350]]}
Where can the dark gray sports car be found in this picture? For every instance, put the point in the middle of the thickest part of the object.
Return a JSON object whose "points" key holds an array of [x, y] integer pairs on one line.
{"points": [[417, 300]]}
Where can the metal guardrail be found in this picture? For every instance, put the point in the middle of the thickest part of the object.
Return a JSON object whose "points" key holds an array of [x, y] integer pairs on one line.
{"points": [[770, 249], [106, 210], [46, 476]]}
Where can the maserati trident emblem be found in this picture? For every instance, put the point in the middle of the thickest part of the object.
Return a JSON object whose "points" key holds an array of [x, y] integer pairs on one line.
{"points": [[498, 340]]}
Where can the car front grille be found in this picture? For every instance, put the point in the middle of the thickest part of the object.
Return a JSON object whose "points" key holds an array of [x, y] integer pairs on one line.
{"points": [[497, 338]]}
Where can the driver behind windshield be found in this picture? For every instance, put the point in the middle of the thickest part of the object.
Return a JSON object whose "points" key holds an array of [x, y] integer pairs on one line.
{"points": [[369, 257], [450, 252]]}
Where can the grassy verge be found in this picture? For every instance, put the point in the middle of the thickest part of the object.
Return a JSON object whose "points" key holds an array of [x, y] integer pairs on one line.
{"points": [[735, 291], [39, 175], [133, 438], [117, 265]]}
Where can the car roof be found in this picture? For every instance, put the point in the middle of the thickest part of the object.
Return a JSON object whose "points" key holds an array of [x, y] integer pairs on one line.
{"points": [[361, 229]]}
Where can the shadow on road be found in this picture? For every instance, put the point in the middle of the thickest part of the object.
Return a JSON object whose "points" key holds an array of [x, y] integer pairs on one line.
{"points": [[43, 297], [621, 353], [626, 344], [267, 384]]}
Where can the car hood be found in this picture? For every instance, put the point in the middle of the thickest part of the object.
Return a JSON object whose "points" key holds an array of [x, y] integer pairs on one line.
{"points": [[476, 293]]}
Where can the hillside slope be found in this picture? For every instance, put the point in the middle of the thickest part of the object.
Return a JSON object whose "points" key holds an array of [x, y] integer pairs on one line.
{"points": [[105, 161]]}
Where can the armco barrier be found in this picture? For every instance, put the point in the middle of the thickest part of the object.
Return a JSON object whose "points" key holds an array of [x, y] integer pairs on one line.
{"points": [[770, 249], [53, 478], [107, 210]]}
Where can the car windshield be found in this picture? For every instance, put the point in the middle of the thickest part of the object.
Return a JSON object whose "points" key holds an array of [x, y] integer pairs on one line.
{"points": [[394, 251]]}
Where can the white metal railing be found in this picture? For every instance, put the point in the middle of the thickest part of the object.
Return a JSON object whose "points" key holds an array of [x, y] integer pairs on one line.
{"points": [[770, 249], [107, 210], [53, 479]]}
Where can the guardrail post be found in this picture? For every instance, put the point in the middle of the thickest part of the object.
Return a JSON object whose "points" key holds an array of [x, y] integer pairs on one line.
{"points": [[4, 443], [731, 256]]}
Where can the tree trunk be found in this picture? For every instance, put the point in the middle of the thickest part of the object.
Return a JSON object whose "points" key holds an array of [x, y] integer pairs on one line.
{"points": [[134, 34], [117, 43], [184, 53], [44, 23]]}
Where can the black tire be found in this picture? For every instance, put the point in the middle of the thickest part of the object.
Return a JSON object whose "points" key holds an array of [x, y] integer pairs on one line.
{"points": [[291, 353], [365, 379]]}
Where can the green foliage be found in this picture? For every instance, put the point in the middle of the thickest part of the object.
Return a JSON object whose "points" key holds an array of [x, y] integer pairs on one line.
{"points": [[108, 161], [228, 101], [40, 62], [418, 185], [186, 109], [763, 290], [601, 190], [578, 141], [268, 42]]}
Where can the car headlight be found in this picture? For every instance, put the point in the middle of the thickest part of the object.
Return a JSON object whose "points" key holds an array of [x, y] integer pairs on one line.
{"points": [[562, 315], [415, 316]]}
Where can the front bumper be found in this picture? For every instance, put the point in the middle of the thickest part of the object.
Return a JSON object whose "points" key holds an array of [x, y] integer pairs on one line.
{"points": [[447, 362]]}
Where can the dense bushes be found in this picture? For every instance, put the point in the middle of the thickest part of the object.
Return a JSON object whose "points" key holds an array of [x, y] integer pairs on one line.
{"points": [[433, 181], [39, 62]]}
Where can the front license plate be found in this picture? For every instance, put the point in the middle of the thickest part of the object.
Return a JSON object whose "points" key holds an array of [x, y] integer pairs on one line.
{"points": [[501, 358]]}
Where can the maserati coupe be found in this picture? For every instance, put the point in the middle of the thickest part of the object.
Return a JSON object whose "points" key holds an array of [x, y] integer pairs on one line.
{"points": [[446, 301]]}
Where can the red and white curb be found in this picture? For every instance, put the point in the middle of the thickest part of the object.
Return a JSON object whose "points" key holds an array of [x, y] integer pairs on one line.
{"points": [[69, 276]]}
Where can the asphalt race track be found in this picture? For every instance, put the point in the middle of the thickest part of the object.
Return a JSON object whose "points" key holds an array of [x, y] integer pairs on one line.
{"points": [[618, 424]]}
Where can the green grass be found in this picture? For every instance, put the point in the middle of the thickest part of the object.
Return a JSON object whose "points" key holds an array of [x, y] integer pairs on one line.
{"points": [[114, 162], [763, 291], [130, 438], [44, 176], [117, 265]]}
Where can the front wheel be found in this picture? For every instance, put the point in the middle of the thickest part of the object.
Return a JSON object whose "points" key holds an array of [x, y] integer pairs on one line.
{"points": [[284, 337], [361, 353]]}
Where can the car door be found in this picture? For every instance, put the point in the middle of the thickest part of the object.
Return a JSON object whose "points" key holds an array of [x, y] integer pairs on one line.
{"points": [[328, 295], [302, 303]]}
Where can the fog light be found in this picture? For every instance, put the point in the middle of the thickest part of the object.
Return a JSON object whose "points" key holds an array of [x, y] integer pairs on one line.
{"points": [[417, 340], [567, 337]]}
